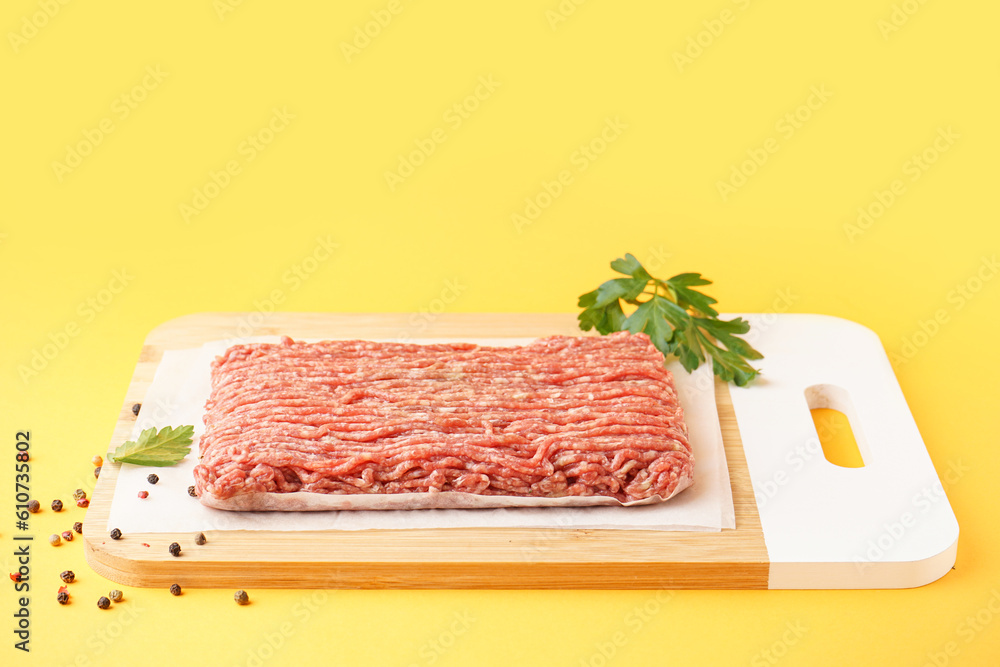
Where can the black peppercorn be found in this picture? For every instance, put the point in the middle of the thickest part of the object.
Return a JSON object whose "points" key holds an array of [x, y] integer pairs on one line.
{"points": [[175, 589], [192, 492], [116, 534], [57, 506], [63, 597], [153, 478], [174, 549], [68, 576], [97, 471], [34, 506], [135, 409], [103, 602], [78, 527], [241, 597]]}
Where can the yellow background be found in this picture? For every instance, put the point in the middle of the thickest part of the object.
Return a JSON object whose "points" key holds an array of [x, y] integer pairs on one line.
{"points": [[445, 238]]}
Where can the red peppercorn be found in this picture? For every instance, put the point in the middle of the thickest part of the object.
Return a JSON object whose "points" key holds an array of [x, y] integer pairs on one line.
{"points": [[144, 494]]}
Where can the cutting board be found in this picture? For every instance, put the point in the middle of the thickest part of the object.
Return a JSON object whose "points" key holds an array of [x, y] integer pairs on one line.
{"points": [[801, 521]]}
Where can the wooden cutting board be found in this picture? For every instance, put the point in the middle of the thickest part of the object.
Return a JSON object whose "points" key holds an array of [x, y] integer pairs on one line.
{"points": [[801, 522]]}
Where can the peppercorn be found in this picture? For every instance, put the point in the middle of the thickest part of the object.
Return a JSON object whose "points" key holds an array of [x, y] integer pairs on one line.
{"points": [[97, 471], [83, 502], [78, 527], [153, 478], [79, 493], [144, 494], [97, 460], [68, 576], [135, 409], [116, 534], [199, 539], [241, 597], [62, 597], [116, 595], [174, 549], [192, 492], [67, 535], [34, 506], [57, 506], [54, 540], [103, 602], [175, 589]]}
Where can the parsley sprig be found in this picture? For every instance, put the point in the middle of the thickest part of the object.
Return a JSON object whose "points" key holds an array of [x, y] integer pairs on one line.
{"points": [[156, 448], [679, 319]]}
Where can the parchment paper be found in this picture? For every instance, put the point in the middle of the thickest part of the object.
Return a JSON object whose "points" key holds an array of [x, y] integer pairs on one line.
{"points": [[183, 383]]}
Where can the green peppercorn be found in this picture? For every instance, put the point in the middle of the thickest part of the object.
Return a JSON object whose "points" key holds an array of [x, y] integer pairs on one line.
{"points": [[175, 589], [241, 597], [68, 576], [57, 506], [78, 527], [97, 471], [62, 597], [116, 595], [199, 539], [103, 602], [116, 534], [79, 493], [34, 506], [54, 540], [153, 478], [135, 409], [192, 492], [174, 549]]}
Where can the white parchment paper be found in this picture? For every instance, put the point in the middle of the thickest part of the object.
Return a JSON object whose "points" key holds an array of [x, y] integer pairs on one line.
{"points": [[183, 383]]}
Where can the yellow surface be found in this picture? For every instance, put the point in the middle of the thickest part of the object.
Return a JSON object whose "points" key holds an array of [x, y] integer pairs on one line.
{"points": [[885, 106], [840, 446]]}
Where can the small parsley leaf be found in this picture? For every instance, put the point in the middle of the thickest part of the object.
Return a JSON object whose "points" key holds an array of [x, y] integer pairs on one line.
{"points": [[152, 448]]}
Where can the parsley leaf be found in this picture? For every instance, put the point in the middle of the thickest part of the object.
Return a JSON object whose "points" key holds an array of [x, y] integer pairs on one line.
{"points": [[678, 319], [163, 448]]}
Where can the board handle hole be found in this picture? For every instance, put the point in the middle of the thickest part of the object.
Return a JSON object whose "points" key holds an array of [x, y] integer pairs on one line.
{"points": [[831, 408]]}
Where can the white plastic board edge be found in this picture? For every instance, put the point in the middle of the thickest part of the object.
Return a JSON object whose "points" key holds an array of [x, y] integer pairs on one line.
{"points": [[885, 525]]}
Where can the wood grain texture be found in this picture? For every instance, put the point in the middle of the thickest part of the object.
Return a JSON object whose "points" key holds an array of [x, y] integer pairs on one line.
{"points": [[442, 558]]}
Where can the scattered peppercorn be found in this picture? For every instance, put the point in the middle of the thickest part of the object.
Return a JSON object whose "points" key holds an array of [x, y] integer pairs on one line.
{"points": [[67, 535], [97, 460], [116, 534], [62, 597], [136, 408], [199, 539], [175, 589], [241, 597], [97, 471], [116, 595], [191, 492], [153, 478], [83, 502], [68, 576], [103, 602], [174, 549], [54, 540], [78, 527], [79, 493], [57, 506], [144, 494], [34, 506]]}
